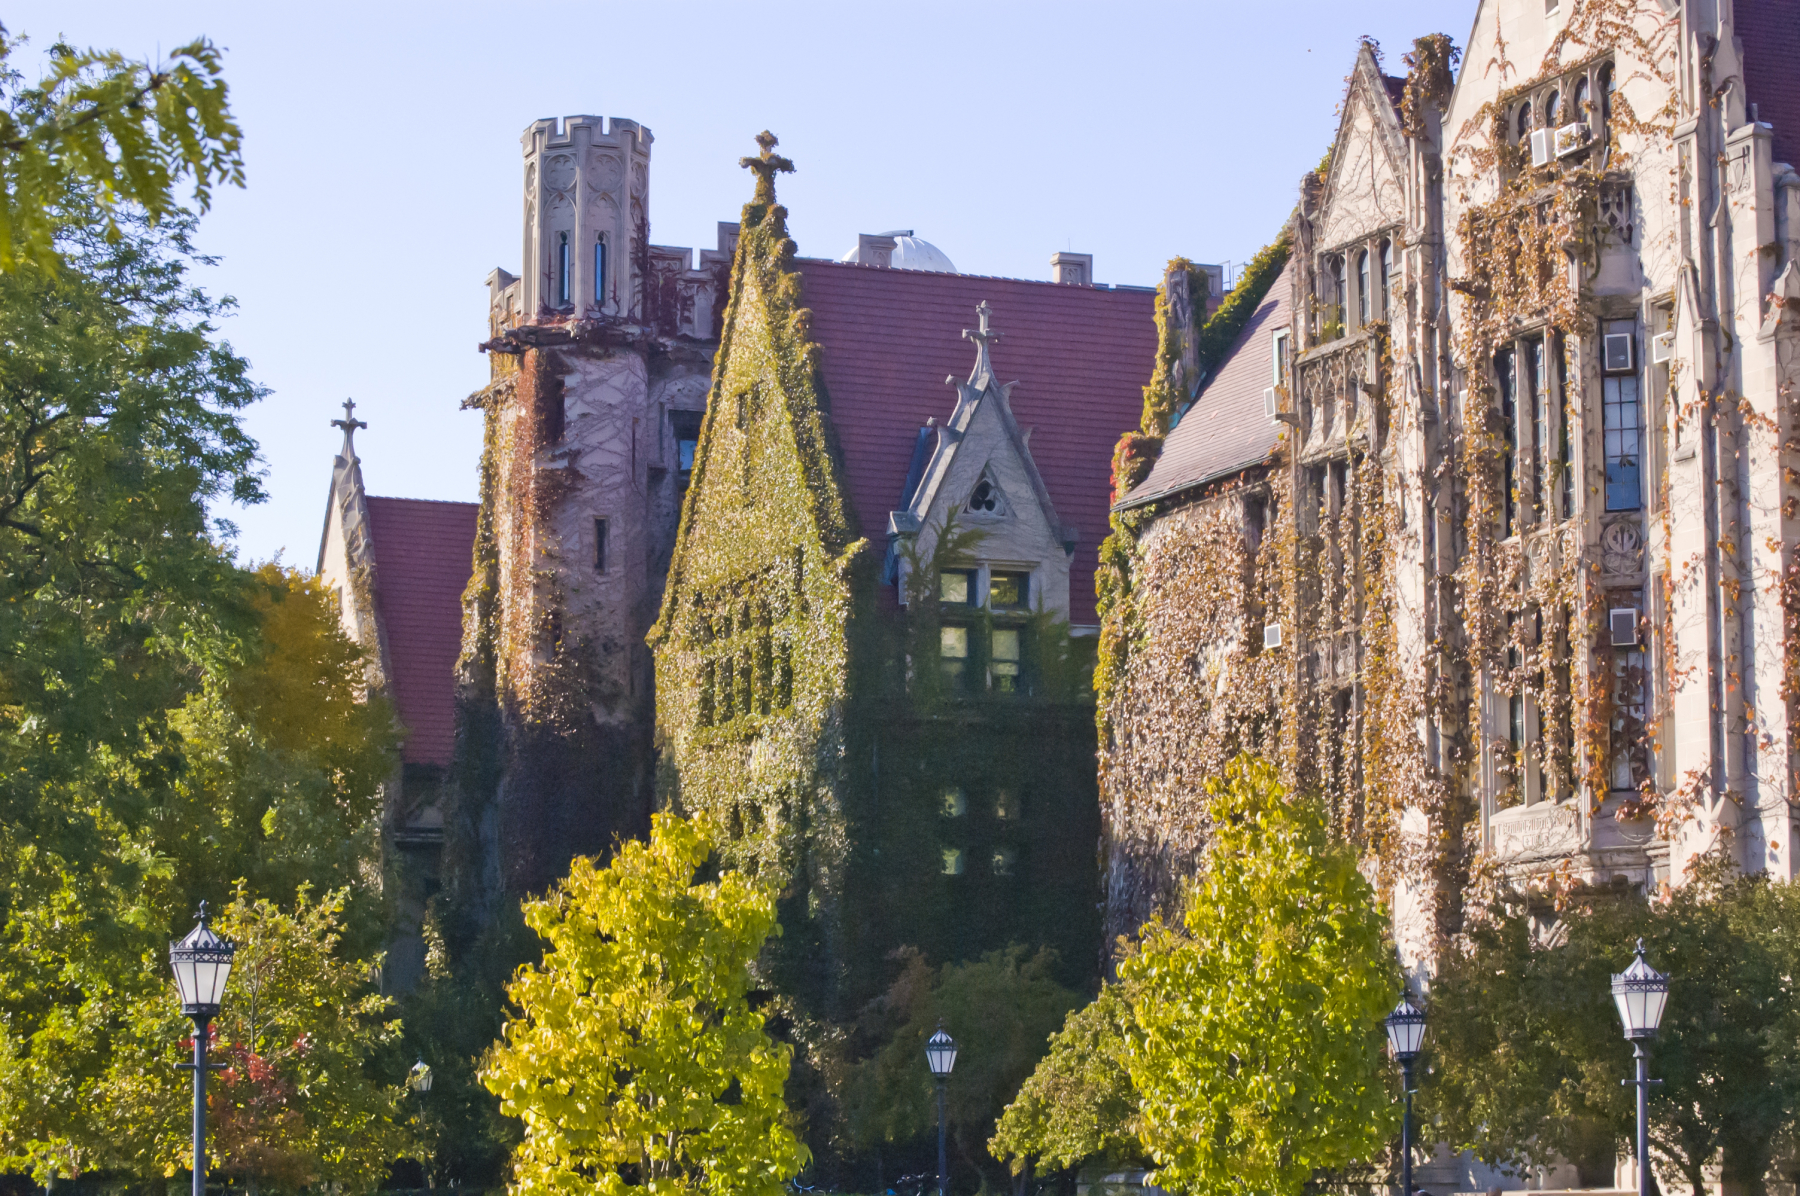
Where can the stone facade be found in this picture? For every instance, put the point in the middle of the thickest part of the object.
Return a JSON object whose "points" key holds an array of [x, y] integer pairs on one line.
{"points": [[1529, 489], [601, 352]]}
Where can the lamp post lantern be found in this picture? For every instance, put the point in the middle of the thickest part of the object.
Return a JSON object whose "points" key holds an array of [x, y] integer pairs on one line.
{"points": [[1405, 1033], [419, 1078], [1640, 992], [940, 1055], [201, 962]]}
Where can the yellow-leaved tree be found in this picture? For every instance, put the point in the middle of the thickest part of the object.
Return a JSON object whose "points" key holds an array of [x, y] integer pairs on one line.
{"points": [[636, 1061]]}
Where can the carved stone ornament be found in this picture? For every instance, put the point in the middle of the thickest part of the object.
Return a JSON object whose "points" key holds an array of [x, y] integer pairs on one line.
{"points": [[1541, 552], [1621, 548], [605, 172], [559, 172]]}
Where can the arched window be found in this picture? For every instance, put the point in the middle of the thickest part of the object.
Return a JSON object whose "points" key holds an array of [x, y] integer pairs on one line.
{"points": [[600, 269], [1387, 279], [1606, 95], [1362, 288], [1552, 107], [1524, 121], [1580, 111], [1334, 317], [562, 270]]}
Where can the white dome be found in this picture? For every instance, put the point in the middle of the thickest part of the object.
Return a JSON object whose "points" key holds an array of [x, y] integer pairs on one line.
{"points": [[910, 253]]}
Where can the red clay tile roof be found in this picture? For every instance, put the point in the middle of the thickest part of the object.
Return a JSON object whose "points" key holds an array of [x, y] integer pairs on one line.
{"points": [[1770, 31], [423, 558], [1081, 356], [1228, 427]]}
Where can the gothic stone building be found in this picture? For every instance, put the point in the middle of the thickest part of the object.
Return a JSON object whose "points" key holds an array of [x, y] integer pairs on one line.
{"points": [[1486, 527], [870, 658], [526, 685]]}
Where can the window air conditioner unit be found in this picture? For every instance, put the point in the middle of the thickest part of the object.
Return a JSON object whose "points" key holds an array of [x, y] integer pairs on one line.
{"points": [[1618, 356], [1662, 347], [1540, 146], [1571, 139], [1271, 635], [1269, 405], [1624, 626]]}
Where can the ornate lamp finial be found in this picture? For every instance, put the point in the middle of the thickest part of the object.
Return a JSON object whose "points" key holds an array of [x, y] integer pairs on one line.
{"points": [[982, 335], [767, 165], [349, 424]]}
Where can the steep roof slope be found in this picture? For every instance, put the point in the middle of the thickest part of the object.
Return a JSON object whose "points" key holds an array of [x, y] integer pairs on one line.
{"points": [[1228, 427], [889, 338], [423, 552]]}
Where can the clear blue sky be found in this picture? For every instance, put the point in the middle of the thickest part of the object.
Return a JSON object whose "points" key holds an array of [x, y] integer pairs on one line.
{"points": [[382, 145]]}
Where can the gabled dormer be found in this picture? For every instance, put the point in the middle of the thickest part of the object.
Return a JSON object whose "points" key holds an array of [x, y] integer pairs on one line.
{"points": [[976, 468]]}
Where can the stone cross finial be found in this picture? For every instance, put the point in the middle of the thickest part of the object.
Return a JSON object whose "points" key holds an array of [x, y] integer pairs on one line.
{"points": [[349, 424], [981, 336], [767, 165]]}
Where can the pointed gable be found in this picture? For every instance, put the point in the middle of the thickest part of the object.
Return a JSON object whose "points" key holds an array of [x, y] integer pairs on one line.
{"points": [[751, 645], [981, 474], [1365, 187]]}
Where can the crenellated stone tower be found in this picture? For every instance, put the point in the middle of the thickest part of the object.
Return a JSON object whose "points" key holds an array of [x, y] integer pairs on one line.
{"points": [[601, 350]]}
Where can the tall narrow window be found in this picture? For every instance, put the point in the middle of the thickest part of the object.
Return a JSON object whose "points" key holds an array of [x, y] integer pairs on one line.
{"points": [[953, 653], [1565, 456], [1630, 754], [1507, 377], [1540, 430], [1524, 122], [1362, 288], [600, 270], [1278, 354], [1552, 110], [562, 270], [1623, 423], [1005, 659], [599, 545], [1579, 109], [1387, 280], [1339, 287]]}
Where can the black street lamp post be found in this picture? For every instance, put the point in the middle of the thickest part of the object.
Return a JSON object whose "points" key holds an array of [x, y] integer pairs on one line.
{"points": [[940, 1054], [201, 962], [1640, 992], [1405, 1032]]}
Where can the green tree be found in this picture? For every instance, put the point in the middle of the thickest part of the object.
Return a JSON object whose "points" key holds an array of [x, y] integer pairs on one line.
{"points": [[299, 1031], [120, 133], [1255, 1045], [1529, 1053], [1079, 1103], [636, 1061], [275, 773], [1002, 1007]]}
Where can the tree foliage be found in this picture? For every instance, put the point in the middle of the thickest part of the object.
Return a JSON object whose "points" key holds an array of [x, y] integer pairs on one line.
{"points": [[1003, 1007], [299, 1029], [1255, 1043], [123, 134], [636, 1061], [274, 775], [1079, 1103], [1529, 1053]]}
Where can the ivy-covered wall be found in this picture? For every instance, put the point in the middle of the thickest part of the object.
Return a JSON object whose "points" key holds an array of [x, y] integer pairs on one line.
{"points": [[810, 726]]}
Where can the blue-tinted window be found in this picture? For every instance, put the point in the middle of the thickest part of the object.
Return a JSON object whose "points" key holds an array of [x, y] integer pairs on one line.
{"points": [[1624, 426]]}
